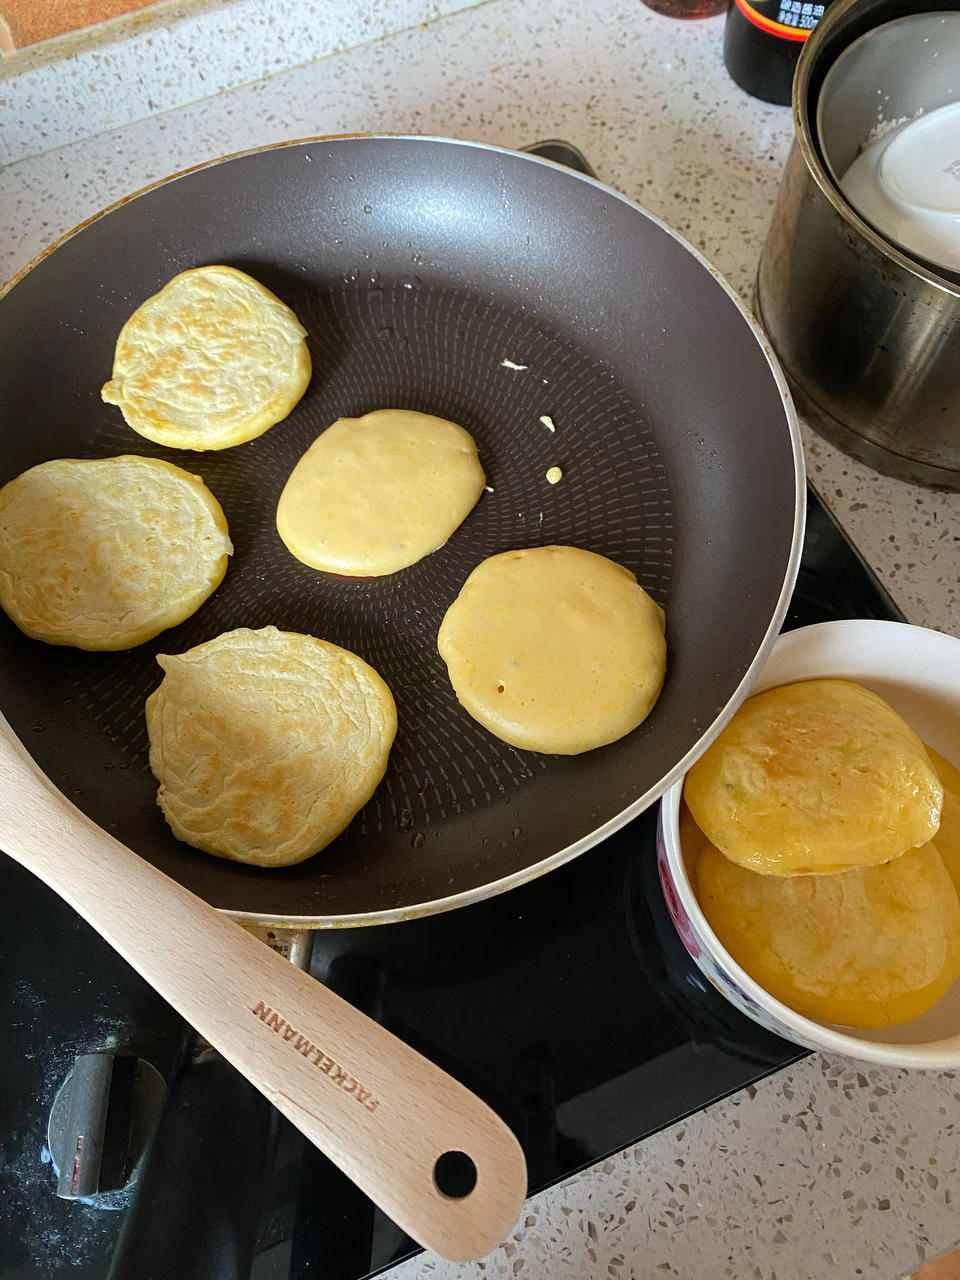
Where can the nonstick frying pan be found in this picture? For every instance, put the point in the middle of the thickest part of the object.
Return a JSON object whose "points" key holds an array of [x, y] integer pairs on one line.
{"points": [[426, 271]]}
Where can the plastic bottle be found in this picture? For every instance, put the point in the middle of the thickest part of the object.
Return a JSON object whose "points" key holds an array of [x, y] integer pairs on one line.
{"points": [[762, 40]]}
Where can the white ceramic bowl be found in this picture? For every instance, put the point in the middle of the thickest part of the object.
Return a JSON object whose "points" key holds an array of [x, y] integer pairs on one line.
{"points": [[918, 672], [907, 184], [886, 117]]}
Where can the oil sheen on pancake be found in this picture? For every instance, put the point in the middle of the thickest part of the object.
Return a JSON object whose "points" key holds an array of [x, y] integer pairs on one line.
{"points": [[815, 777], [106, 553], [554, 649], [948, 834], [210, 361], [375, 494], [266, 743], [871, 947]]}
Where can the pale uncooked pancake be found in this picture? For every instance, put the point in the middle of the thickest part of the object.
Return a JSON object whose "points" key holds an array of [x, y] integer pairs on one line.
{"points": [[266, 743], [106, 553], [210, 361], [871, 947], [815, 777], [375, 494], [554, 649]]}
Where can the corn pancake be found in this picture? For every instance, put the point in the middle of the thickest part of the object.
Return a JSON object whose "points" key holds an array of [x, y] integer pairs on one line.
{"points": [[871, 947], [554, 649], [815, 777], [948, 835], [266, 743], [210, 361], [106, 553], [692, 840], [375, 494]]}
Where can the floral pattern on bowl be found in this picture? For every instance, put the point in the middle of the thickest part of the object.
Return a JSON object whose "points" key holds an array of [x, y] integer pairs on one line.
{"points": [[700, 951]]}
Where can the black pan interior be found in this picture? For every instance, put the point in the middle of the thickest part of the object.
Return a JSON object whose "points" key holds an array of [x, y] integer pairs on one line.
{"points": [[418, 267]]}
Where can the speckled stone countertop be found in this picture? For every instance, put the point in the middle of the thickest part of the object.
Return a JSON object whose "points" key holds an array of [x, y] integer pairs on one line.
{"points": [[826, 1170]]}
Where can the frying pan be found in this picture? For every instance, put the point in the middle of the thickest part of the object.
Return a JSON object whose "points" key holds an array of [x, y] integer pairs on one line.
{"points": [[494, 289], [425, 271]]}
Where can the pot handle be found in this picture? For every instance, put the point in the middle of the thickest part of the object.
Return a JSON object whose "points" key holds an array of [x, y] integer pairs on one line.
{"points": [[434, 1157]]}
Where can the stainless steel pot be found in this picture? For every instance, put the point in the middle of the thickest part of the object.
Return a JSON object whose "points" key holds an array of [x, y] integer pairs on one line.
{"points": [[869, 337]]}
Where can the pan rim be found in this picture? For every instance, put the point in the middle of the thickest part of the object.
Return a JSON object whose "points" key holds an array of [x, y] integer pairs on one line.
{"points": [[494, 888]]}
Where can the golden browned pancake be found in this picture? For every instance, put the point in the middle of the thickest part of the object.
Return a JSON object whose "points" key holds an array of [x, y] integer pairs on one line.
{"points": [[375, 494], [554, 649], [815, 777], [692, 841], [948, 834], [210, 361], [870, 947], [106, 553], [266, 743]]}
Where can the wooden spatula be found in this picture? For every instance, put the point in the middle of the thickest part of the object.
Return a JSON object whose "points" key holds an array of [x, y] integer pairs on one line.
{"points": [[379, 1110]]}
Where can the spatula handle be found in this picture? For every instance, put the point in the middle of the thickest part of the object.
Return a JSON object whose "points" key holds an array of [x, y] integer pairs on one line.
{"points": [[382, 1112]]}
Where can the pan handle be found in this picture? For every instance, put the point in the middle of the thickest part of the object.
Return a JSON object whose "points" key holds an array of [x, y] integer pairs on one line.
{"points": [[434, 1157]]}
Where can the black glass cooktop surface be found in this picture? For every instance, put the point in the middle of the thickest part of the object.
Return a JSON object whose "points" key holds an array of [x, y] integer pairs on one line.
{"points": [[569, 1004]]}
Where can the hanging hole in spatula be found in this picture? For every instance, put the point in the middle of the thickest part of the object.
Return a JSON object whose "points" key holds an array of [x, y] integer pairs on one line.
{"points": [[455, 1174]]}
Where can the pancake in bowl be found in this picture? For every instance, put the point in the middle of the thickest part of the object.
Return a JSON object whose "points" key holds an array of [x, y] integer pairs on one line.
{"points": [[267, 743], [948, 833], [212, 360], [871, 947], [554, 649], [373, 495], [107, 553], [815, 777]]}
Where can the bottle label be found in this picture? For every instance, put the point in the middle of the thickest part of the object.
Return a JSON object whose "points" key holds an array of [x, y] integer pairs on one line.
{"points": [[788, 19]]}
